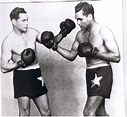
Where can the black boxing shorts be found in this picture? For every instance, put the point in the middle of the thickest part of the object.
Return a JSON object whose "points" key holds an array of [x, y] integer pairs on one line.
{"points": [[26, 83], [99, 81]]}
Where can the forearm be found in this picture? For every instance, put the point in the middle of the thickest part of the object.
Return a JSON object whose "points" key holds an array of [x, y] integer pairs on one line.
{"points": [[68, 54], [65, 28], [108, 56], [58, 38], [8, 67]]}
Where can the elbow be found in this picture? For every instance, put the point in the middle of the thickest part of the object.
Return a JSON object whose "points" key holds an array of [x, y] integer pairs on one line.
{"points": [[72, 58], [117, 59], [4, 71]]}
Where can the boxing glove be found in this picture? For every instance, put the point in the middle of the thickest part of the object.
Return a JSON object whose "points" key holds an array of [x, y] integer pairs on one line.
{"points": [[86, 50], [47, 39], [27, 57], [62, 26], [66, 27]]}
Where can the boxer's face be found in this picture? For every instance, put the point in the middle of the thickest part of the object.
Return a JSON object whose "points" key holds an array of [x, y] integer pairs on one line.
{"points": [[22, 22], [82, 20]]}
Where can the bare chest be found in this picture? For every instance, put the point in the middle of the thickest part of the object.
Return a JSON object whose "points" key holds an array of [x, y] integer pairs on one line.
{"points": [[21, 43], [96, 40]]}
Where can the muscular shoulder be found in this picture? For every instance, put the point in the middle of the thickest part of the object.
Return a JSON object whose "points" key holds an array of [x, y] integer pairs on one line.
{"points": [[7, 42], [82, 36], [32, 31], [104, 29], [106, 33], [9, 38]]}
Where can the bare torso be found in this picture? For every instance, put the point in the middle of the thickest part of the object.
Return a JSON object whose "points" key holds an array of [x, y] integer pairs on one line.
{"points": [[20, 42], [96, 41]]}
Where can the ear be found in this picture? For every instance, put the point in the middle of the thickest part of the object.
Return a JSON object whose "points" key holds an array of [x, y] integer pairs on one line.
{"points": [[90, 17], [13, 21]]}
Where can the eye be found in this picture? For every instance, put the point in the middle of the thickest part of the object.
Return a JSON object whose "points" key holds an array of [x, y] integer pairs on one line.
{"points": [[25, 20]]}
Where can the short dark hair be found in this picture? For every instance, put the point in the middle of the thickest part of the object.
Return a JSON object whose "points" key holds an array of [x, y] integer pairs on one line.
{"points": [[15, 12], [85, 7]]}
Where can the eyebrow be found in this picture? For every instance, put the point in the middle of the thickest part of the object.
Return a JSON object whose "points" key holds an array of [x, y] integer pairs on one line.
{"points": [[26, 18]]}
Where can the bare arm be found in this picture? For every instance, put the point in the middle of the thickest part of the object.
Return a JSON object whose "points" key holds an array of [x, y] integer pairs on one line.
{"points": [[65, 28], [57, 39], [6, 55], [112, 54], [69, 54], [81, 36]]}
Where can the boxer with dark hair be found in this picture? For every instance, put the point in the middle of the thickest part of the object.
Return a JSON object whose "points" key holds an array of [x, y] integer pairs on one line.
{"points": [[19, 55], [97, 44]]}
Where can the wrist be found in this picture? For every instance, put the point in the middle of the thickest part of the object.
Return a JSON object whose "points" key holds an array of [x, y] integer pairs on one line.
{"points": [[55, 47], [95, 51], [20, 63], [64, 34]]}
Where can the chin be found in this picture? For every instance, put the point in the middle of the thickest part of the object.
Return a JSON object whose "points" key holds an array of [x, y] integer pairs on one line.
{"points": [[24, 30]]}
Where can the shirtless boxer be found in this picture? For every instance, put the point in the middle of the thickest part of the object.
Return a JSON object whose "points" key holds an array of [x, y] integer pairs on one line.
{"points": [[97, 44], [25, 66]]}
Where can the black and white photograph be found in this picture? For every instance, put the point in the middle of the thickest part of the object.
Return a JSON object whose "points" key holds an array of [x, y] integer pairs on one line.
{"points": [[63, 58], [125, 48]]}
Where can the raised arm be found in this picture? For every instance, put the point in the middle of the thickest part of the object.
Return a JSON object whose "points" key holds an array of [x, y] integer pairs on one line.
{"points": [[65, 28], [112, 54]]}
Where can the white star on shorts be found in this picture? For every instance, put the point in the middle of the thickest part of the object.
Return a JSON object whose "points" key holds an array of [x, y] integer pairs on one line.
{"points": [[96, 81], [41, 79]]}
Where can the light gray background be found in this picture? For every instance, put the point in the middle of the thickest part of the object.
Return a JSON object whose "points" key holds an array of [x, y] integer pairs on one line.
{"points": [[125, 49], [65, 80]]}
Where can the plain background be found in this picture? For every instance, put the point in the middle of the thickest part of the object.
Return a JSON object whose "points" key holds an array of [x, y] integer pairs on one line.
{"points": [[125, 48], [65, 80]]}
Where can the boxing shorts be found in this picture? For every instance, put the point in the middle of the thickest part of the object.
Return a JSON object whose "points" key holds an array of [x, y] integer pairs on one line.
{"points": [[26, 83], [99, 81]]}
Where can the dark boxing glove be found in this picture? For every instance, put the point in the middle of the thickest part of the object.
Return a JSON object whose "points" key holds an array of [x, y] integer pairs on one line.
{"points": [[47, 39], [86, 50], [66, 27], [27, 57]]}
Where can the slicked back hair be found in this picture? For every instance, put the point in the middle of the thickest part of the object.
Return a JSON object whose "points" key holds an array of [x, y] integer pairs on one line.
{"points": [[15, 12], [85, 7]]}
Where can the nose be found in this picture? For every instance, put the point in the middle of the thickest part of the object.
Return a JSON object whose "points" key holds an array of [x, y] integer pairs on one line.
{"points": [[26, 22]]}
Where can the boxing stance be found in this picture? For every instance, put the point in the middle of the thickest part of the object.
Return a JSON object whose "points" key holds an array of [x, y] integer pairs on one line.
{"points": [[19, 55], [97, 44], [50, 41]]}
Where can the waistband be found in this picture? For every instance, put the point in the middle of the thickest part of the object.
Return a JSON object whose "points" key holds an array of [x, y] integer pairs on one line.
{"points": [[35, 66], [98, 65]]}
